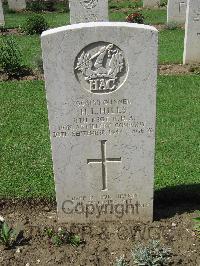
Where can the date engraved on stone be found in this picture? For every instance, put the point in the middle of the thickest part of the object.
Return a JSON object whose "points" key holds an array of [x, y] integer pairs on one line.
{"points": [[88, 4], [101, 67]]}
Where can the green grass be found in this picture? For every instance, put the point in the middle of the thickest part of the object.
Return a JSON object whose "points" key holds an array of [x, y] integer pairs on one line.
{"points": [[26, 167], [59, 19], [151, 17], [54, 19], [171, 46], [156, 16], [124, 4], [178, 131], [30, 48], [118, 12], [171, 43]]}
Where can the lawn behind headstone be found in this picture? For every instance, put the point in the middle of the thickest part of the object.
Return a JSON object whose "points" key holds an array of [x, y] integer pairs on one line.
{"points": [[26, 166], [170, 41]]}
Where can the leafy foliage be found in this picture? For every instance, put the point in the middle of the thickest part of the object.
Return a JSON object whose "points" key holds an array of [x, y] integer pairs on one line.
{"points": [[11, 58], [121, 262], [8, 236], [35, 6], [74, 240], [151, 255], [3, 29], [62, 237], [39, 63], [195, 69], [163, 3], [41, 5], [135, 18], [49, 5], [35, 24]]}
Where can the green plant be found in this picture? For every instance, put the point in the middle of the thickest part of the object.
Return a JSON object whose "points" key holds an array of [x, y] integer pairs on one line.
{"points": [[163, 3], [3, 29], [49, 5], [151, 255], [49, 232], [8, 236], [35, 6], [74, 240], [57, 240], [11, 58], [197, 224], [39, 63], [195, 69], [35, 24], [41, 5], [121, 262], [11, 11], [62, 237], [66, 6], [135, 18]]}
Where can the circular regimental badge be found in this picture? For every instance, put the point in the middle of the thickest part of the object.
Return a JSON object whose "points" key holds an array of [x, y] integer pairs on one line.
{"points": [[88, 3], [101, 67]]}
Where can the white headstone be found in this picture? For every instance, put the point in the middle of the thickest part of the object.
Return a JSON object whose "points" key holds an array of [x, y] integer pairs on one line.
{"points": [[192, 33], [88, 10], [2, 21], [101, 95], [17, 5], [176, 11], [151, 3]]}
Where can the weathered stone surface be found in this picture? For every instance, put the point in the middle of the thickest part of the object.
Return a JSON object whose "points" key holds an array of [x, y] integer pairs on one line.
{"points": [[176, 11], [192, 33], [151, 3], [88, 10], [101, 95], [17, 5], [2, 21]]}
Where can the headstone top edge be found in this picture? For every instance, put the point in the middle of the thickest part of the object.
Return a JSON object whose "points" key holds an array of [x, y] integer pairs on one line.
{"points": [[98, 24]]}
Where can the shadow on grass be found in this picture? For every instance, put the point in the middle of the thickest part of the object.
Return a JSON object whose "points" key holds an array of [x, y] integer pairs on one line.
{"points": [[167, 202], [176, 200]]}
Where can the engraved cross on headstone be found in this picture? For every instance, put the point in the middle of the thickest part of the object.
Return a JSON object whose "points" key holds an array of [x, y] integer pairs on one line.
{"points": [[104, 160]]}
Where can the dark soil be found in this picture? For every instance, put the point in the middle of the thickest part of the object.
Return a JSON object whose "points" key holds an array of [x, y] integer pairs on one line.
{"points": [[174, 69], [32, 75], [15, 31], [160, 27], [103, 242]]}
